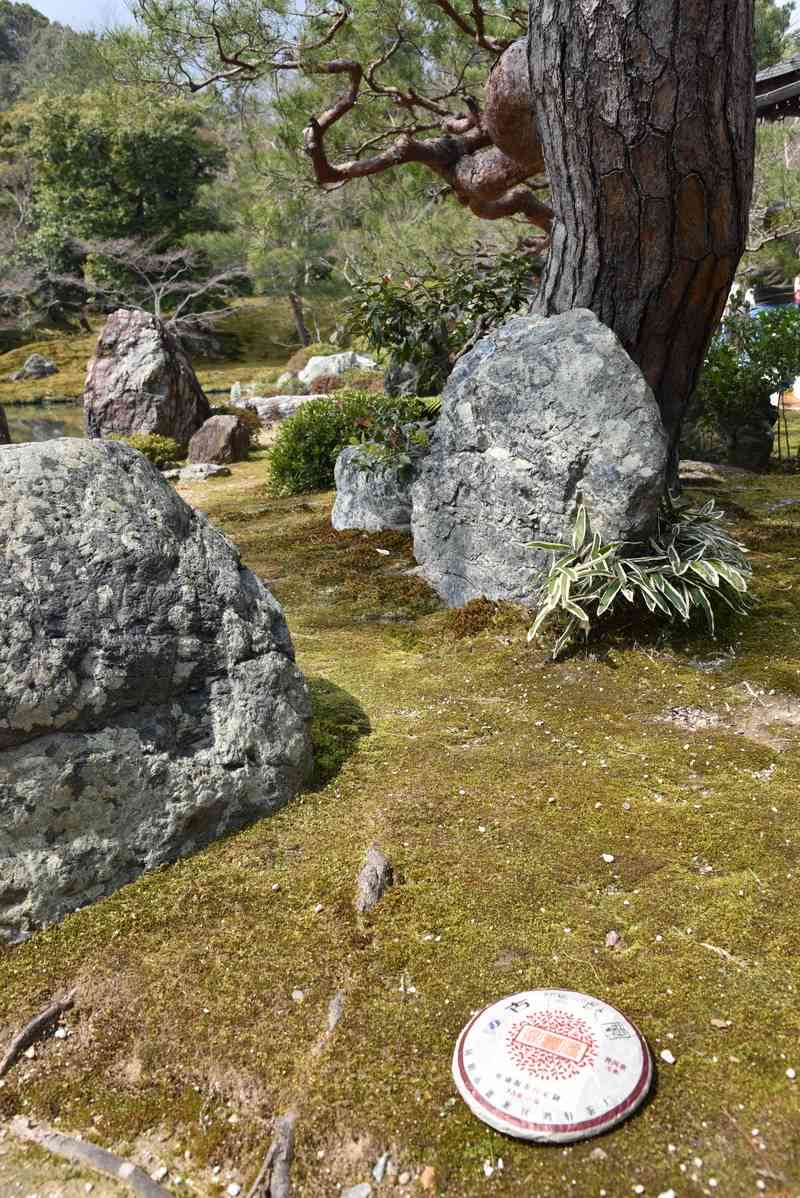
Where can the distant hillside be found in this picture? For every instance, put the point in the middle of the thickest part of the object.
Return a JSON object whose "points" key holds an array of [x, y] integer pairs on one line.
{"points": [[19, 26], [18, 22]]}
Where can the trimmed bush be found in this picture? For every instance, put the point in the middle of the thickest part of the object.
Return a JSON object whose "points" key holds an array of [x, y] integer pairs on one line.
{"points": [[327, 383], [161, 451], [308, 443]]}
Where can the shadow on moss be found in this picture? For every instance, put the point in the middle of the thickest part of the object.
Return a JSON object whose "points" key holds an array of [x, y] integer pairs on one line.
{"points": [[337, 725]]}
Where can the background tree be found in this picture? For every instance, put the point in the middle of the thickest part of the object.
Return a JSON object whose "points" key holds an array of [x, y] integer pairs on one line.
{"points": [[772, 21], [111, 165]]}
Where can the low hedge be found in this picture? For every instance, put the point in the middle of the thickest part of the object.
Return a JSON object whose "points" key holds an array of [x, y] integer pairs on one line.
{"points": [[308, 443]]}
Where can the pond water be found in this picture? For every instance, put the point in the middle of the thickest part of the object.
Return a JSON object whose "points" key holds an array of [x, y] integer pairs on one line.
{"points": [[44, 421]]}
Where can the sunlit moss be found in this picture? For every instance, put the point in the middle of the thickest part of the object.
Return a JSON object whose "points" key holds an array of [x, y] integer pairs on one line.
{"points": [[186, 1014]]}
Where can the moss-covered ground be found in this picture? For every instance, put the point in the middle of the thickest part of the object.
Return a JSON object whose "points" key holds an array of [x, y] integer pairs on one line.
{"points": [[495, 781]]}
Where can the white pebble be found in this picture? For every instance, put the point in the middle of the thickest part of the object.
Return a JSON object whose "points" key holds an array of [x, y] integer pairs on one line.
{"points": [[791, 1074], [638, 1189], [276, 885], [488, 1168], [608, 858], [481, 828], [318, 908], [667, 1194], [233, 1190], [404, 1179], [160, 1174], [298, 996], [667, 1056], [60, 1033]]}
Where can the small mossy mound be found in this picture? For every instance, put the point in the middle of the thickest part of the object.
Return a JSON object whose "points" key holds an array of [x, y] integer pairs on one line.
{"points": [[163, 452]]}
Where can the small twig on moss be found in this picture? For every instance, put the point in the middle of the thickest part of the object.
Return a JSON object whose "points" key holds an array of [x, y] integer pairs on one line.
{"points": [[273, 1179], [84, 1153], [34, 1030], [335, 1009]]}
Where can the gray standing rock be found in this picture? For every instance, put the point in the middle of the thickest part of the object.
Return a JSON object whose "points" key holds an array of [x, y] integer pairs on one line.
{"points": [[540, 412], [141, 381], [375, 878], [221, 439], [370, 499], [5, 435], [149, 698], [35, 367]]}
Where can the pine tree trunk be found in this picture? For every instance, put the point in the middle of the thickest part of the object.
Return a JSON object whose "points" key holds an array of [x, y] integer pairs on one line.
{"points": [[299, 320], [646, 115]]}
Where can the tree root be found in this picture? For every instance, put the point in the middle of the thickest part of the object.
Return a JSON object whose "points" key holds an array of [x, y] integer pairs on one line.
{"points": [[85, 1153], [34, 1030]]}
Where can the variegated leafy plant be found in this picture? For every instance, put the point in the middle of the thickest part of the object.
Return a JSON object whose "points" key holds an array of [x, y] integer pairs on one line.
{"points": [[691, 565]]}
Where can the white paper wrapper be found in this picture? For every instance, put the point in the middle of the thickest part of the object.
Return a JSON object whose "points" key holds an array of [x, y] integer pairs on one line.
{"points": [[551, 1066]]}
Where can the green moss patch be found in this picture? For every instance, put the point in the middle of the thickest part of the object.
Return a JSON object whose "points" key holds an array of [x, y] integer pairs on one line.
{"points": [[494, 780]]}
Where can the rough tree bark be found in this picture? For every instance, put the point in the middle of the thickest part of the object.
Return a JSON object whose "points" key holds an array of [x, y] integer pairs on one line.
{"points": [[646, 115]]}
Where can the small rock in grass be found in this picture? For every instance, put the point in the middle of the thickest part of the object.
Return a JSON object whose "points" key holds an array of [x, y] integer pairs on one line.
{"points": [[60, 1033], [160, 1173], [427, 1178], [298, 996], [375, 877], [791, 1074], [598, 1154], [404, 1179], [380, 1167], [362, 1190], [667, 1056], [612, 939], [608, 858], [233, 1190], [667, 1194], [721, 1023]]}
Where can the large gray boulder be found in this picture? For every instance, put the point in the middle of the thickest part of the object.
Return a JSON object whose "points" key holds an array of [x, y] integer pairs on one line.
{"points": [[334, 364], [540, 412], [371, 499], [149, 698], [5, 435], [141, 381]]}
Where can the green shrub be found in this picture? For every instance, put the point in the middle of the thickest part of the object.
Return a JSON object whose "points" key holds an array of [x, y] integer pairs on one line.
{"points": [[326, 383], [161, 451], [428, 320], [749, 359], [308, 443], [690, 566]]}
